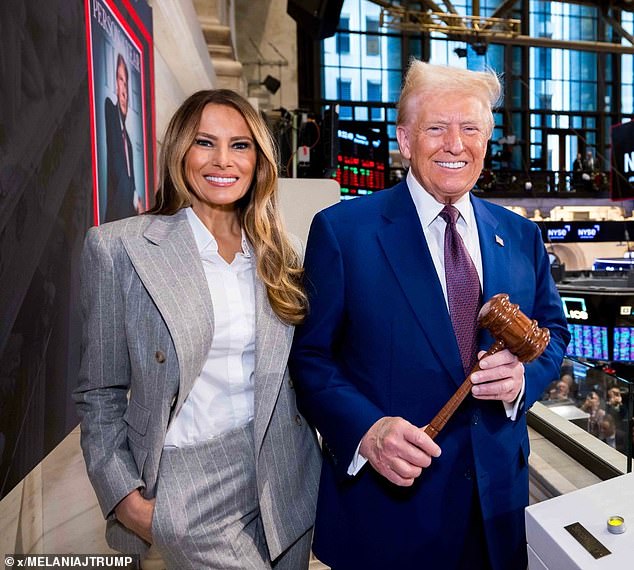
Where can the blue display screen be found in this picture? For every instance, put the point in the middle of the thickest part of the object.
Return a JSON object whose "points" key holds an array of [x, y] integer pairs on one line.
{"points": [[588, 341], [623, 344]]}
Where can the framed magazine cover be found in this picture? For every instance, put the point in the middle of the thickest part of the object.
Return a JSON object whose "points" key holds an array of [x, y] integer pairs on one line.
{"points": [[121, 91]]}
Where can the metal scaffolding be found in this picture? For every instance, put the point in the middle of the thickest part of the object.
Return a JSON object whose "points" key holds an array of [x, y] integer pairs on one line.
{"points": [[428, 16]]}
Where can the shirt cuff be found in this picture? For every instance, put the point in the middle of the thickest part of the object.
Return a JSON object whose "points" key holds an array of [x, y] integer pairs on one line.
{"points": [[358, 461], [512, 408]]}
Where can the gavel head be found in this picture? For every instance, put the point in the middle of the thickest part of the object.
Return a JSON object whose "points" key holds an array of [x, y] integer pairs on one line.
{"points": [[521, 335]]}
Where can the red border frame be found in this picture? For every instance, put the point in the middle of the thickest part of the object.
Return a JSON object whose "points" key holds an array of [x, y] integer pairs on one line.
{"points": [[145, 49]]}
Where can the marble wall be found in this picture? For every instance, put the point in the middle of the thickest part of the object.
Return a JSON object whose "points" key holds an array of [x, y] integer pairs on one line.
{"points": [[268, 36], [181, 61], [54, 509]]}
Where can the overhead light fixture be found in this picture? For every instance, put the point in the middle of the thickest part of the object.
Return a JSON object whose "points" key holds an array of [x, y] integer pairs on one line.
{"points": [[460, 52], [272, 84], [480, 47]]}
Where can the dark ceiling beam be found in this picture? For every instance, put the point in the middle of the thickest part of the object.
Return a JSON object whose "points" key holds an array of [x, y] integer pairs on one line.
{"points": [[607, 4], [430, 5], [503, 9], [499, 11], [450, 6], [598, 47], [617, 26]]}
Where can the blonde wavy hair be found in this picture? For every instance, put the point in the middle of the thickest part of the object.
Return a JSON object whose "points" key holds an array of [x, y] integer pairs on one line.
{"points": [[278, 263], [423, 78]]}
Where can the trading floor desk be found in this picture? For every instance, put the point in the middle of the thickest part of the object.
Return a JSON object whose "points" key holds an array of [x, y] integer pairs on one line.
{"points": [[552, 547]]}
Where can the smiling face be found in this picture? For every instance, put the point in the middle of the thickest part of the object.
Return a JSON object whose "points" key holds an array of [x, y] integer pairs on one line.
{"points": [[122, 88], [446, 142], [220, 164]]}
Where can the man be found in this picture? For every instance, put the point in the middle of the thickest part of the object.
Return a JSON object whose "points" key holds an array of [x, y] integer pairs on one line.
{"points": [[378, 356], [577, 172], [122, 200]]}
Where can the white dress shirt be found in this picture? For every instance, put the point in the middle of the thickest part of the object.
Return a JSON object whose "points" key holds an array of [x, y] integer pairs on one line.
{"points": [[428, 210], [222, 396]]}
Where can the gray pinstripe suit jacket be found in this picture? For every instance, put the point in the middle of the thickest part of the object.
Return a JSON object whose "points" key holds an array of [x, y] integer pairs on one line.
{"points": [[148, 325]]}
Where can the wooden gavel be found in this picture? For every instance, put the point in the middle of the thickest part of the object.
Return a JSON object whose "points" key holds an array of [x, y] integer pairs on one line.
{"points": [[512, 329]]}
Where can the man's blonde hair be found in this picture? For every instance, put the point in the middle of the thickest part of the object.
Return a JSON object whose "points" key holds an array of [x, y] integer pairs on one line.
{"points": [[424, 78]]}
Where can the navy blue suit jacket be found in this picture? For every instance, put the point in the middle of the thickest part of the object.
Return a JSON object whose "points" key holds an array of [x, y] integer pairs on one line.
{"points": [[378, 342]]}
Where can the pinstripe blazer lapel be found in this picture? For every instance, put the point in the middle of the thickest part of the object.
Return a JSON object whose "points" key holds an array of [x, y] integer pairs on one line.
{"points": [[168, 263], [272, 345]]}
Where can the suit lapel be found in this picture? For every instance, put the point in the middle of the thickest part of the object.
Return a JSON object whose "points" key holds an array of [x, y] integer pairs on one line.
{"points": [[168, 263], [406, 249], [272, 345], [496, 258]]}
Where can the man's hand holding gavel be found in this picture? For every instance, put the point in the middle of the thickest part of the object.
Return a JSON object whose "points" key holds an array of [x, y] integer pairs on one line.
{"points": [[400, 451]]}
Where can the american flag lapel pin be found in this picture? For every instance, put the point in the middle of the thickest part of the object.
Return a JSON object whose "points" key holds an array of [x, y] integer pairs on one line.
{"points": [[499, 240]]}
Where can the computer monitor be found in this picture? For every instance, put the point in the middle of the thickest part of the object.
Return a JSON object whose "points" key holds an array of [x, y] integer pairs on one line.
{"points": [[623, 344], [588, 341], [363, 158], [601, 321]]}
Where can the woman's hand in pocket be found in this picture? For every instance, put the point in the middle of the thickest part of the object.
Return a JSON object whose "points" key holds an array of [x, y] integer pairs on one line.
{"points": [[135, 512]]}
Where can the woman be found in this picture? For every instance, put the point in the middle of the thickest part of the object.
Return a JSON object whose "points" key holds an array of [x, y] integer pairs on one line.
{"points": [[190, 430]]}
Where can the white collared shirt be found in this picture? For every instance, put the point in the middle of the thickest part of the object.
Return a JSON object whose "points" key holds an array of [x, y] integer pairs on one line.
{"points": [[428, 210], [222, 396]]}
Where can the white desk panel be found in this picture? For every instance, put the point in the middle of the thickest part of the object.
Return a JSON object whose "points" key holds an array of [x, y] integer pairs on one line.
{"points": [[554, 548]]}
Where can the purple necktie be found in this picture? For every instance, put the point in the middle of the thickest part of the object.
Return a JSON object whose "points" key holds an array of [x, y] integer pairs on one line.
{"points": [[463, 289]]}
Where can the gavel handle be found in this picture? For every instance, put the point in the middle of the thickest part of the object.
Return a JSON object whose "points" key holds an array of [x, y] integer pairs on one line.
{"points": [[442, 417]]}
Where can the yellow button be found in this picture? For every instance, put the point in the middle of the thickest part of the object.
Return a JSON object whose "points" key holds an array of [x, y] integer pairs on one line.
{"points": [[616, 525]]}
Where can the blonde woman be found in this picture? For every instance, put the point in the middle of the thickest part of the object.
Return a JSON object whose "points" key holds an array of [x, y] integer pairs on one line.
{"points": [[190, 430]]}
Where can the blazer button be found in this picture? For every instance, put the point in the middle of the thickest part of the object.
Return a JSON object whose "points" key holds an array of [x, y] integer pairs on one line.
{"points": [[160, 356], [290, 383], [298, 420]]}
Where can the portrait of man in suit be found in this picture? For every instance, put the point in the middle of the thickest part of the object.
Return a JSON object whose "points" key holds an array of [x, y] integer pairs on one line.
{"points": [[122, 200], [395, 283]]}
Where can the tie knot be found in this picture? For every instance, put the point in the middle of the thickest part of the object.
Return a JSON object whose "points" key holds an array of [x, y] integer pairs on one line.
{"points": [[450, 214]]}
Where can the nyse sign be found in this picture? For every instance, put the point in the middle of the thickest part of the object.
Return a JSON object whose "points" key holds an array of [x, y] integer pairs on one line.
{"points": [[628, 166], [570, 232]]}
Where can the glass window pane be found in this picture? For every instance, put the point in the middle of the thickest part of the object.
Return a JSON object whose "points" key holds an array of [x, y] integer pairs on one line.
{"points": [[342, 38], [559, 84]]}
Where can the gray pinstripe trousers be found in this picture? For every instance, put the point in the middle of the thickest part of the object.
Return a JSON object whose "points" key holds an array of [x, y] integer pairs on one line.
{"points": [[207, 515]]}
